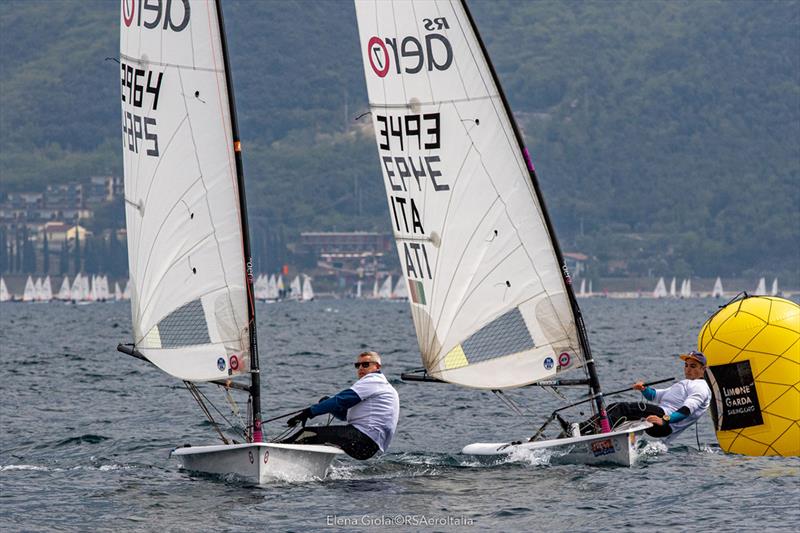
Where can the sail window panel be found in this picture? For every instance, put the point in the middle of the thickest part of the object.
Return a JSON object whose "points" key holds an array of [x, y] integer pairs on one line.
{"points": [[505, 335], [516, 370], [489, 297], [185, 326]]}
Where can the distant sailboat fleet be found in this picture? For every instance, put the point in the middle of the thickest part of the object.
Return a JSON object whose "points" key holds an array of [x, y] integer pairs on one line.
{"points": [[660, 290], [82, 289]]}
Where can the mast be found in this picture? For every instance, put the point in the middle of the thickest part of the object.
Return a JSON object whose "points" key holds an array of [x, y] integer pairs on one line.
{"points": [[255, 376], [594, 382]]}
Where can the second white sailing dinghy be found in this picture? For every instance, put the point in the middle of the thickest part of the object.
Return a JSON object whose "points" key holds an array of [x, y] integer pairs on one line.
{"points": [[490, 294], [191, 283]]}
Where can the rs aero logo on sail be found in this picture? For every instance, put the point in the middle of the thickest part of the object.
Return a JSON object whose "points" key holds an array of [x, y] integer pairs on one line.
{"points": [[166, 14], [408, 55]]}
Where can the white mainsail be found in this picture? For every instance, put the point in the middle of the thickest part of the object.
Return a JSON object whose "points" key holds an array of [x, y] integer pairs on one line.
{"points": [[400, 291], [386, 288], [489, 302], [672, 292], [5, 296], [358, 289], [717, 291], [308, 290], [375, 289], [762, 287], [117, 292], [64, 292], [29, 293], [661, 289], [296, 289], [774, 291], [186, 261], [126, 292], [47, 290], [38, 290], [272, 288]]}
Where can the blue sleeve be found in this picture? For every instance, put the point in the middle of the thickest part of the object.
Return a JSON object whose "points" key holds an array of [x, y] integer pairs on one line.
{"points": [[679, 415], [337, 405], [649, 393]]}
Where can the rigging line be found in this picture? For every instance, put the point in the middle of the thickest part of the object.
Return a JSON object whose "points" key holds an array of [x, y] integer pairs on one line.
{"points": [[193, 391], [225, 418]]}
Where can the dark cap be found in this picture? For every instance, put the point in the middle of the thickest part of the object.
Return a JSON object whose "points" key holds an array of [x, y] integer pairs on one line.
{"points": [[697, 356]]}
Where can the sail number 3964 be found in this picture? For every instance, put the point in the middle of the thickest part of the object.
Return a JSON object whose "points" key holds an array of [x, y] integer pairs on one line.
{"points": [[140, 89]]}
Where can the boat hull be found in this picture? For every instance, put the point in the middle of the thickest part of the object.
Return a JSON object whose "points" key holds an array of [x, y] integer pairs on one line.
{"points": [[260, 462], [617, 448]]}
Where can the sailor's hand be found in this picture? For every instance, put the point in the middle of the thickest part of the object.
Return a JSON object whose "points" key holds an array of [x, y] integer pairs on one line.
{"points": [[639, 385], [655, 420], [301, 418]]}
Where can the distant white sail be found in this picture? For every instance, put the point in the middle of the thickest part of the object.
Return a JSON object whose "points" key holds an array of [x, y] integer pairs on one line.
{"points": [[296, 289], [672, 292], [762, 287], [37, 290], [261, 287], [47, 290], [661, 289], [5, 296], [117, 292], [126, 292], [65, 293], [689, 288], [358, 289], [386, 288], [308, 290], [582, 292], [185, 252], [29, 293], [76, 293], [591, 291], [272, 288], [774, 291], [717, 291], [400, 291], [375, 288]]}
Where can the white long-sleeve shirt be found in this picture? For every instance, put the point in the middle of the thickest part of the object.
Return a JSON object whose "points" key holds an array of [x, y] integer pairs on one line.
{"points": [[692, 393]]}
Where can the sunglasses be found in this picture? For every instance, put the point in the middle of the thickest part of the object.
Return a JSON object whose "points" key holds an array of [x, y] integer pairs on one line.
{"points": [[363, 364]]}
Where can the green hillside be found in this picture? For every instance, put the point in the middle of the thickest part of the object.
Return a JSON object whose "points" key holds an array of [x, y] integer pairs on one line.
{"points": [[665, 134]]}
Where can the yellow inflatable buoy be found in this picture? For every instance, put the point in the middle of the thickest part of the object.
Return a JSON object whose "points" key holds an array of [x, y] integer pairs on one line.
{"points": [[753, 351]]}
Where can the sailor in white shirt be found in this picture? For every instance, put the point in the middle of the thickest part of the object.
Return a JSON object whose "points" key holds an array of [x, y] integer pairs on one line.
{"points": [[371, 407], [679, 406]]}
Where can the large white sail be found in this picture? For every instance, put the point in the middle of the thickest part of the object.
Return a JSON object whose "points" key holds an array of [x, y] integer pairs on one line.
{"points": [[186, 260], [38, 290], [400, 291], [661, 289], [295, 289], [488, 298]]}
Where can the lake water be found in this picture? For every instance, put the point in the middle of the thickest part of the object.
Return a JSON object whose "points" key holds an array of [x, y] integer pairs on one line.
{"points": [[86, 434]]}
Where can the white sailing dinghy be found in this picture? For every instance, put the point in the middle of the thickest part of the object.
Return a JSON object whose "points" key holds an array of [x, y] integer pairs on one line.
{"points": [[490, 294], [385, 291], [190, 264], [64, 294], [761, 288], [308, 290], [29, 293], [717, 291], [661, 289]]}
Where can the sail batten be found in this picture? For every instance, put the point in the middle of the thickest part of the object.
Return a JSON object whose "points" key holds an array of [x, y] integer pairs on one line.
{"points": [[489, 301]]}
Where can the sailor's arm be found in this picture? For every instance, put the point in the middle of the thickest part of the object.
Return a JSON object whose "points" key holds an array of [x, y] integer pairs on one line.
{"points": [[336, 405], [649, 393]]}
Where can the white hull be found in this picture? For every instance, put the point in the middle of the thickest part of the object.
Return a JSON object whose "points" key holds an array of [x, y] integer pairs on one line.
{"points": [[618, 447], [260, 462]]}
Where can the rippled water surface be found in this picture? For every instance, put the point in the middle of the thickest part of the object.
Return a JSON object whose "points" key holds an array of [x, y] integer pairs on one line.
{"points": [[86, 434]]}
